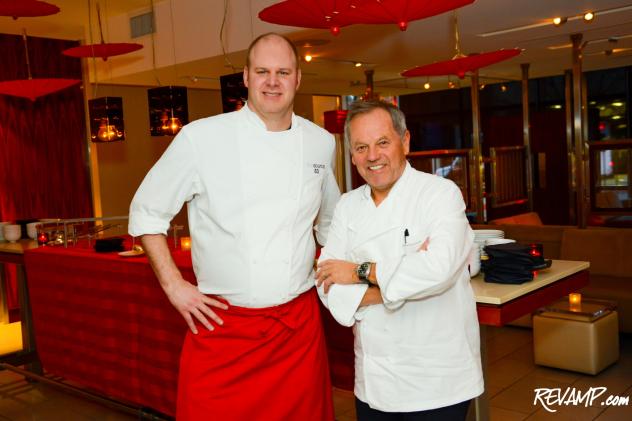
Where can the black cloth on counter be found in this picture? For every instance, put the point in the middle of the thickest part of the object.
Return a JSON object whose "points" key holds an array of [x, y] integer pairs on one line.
{"points": [[511, 263]]}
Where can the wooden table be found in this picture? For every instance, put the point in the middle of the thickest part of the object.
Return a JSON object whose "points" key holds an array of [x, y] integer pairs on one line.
{"points": [[13, 253], [499, 304]]}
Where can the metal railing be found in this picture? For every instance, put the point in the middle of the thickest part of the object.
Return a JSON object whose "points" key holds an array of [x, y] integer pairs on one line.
{"points": [[508, 181]]}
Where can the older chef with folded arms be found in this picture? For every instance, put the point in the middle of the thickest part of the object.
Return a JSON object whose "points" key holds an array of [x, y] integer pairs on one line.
{"points": [[395, 268], [257, 182]]}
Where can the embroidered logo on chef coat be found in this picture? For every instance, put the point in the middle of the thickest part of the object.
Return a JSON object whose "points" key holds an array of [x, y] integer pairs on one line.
{"points": [[318, 167]]}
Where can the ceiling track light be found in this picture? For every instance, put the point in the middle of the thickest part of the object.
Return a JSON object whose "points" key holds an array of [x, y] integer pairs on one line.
{"points": [[559, 21], [427, 84], [308, 58], [586, 17]]}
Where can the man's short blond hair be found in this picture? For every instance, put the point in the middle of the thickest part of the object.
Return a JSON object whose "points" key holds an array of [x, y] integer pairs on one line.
{"points": [[271, 35]]}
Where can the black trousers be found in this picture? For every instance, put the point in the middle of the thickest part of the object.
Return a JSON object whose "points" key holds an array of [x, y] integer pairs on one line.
{"points": [[456, 412]]}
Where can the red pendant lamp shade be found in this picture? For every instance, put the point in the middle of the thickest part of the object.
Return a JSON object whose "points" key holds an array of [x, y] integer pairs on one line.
{"points": [[316, 14], [461, 65], [35, 88], [103, 50], [400, 12], [26, 8], [334, 14]]}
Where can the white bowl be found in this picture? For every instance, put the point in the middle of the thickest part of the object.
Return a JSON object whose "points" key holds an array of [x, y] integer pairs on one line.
{"points": [[31, 230], [12, 233], [1, 225]]}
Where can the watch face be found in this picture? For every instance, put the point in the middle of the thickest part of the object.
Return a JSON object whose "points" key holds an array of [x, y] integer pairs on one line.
{"points": [[363, 270]]}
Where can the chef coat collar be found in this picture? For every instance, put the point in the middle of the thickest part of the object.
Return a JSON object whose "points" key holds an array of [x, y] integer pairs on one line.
{"points": [[397, 187], [254, 118]]}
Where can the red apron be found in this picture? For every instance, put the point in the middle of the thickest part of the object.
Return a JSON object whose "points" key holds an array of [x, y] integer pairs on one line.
{"points": [[262, 364]]}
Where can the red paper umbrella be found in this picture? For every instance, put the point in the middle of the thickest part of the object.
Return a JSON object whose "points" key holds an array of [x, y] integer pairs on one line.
{"points": [[459, 66], [34, 88], [103, 50], [26, 8], [401, 12], [317, 14]]}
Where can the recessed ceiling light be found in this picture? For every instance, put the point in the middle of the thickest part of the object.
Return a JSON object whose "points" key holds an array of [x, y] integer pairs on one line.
{"points": [[308, 58], [357, 64]]}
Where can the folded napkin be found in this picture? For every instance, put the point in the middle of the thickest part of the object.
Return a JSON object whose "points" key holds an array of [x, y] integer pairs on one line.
{"points": [[511, 263]]}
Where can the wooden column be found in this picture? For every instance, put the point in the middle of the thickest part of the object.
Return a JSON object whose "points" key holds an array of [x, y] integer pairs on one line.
{"points": [[570, 151], [526, 139], [579, 147], [477, 167], [369, 93]]}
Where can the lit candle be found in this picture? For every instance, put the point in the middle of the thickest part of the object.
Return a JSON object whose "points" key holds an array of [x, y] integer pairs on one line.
{"points": [[42, 238], [575, 301], [185, 243]]}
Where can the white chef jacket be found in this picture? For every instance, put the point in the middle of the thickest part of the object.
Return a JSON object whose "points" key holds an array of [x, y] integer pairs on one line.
{"points": [[253, 197], [419, 350]]}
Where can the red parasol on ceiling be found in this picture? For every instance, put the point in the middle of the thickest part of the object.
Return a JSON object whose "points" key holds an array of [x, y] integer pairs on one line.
{"points": [[34, 88], [401, 12], [459, 66], [317, 14], [26, 8], [103, 50]]}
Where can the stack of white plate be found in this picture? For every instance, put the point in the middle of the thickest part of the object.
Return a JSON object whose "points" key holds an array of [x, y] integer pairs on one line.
{"points": [[480, 236]]}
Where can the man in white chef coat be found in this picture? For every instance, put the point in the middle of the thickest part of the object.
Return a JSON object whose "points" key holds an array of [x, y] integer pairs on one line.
{"points": [[395, 268], [258, 182]]}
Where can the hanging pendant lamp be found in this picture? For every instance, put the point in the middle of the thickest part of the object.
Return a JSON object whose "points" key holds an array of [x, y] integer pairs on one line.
{"points": [[316, 14], [334, 14], [461, 64], [33, 88], [168, 110], [106, 119], [26, 8], [104, 49]]}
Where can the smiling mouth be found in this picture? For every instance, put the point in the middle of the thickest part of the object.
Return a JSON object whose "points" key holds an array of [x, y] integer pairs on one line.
{"points": [[376, 167], [274, 94]]}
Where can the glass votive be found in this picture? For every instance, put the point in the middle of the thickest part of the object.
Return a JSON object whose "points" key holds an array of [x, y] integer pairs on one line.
{"points": [[185, 243], [575, 301], [42, 238], [537, 250]]}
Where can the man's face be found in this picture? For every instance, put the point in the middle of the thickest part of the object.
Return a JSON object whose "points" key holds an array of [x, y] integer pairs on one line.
{"points": [[272, 78], [377, 151]]}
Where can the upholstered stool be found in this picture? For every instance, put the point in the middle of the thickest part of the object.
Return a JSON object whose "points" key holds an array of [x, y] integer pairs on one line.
{"points": [[586, 340]]}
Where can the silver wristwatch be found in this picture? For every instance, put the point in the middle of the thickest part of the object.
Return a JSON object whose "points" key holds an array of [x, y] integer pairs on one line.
{"points": [[363, 270]]}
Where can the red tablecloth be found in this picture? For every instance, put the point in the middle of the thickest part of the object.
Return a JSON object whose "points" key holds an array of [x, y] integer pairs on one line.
{"points": [[103, 321]]}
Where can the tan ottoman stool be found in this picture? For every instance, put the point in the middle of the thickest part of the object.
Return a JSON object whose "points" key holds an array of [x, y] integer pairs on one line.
{"points": [[586, 341]]}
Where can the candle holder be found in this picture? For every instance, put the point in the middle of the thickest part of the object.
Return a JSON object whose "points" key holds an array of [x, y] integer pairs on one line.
{"points": [[185, 243], [575, 301]]}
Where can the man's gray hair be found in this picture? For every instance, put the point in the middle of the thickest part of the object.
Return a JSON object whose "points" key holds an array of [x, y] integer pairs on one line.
{"points": [[363, 107]]}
